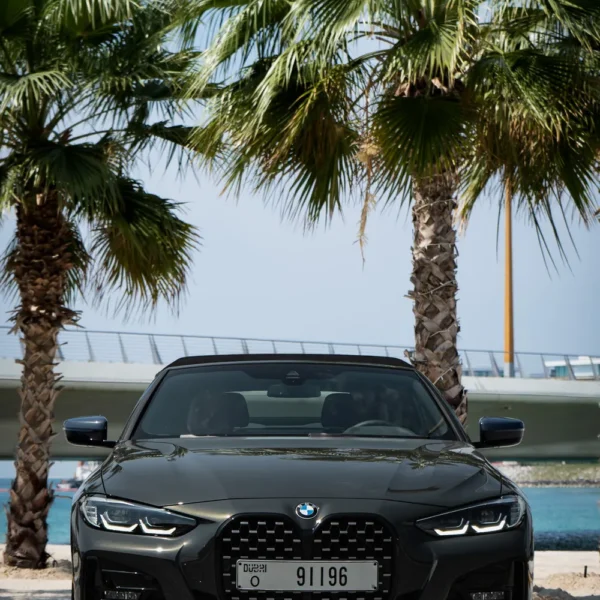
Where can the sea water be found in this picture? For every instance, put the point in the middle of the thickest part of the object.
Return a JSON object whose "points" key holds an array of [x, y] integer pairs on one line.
{"points": [[564, 518]]}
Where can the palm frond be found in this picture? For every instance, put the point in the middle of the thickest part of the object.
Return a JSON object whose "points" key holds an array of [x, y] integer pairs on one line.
{"points": [[436, 48], [253, 28], [142, 250], [195, 15], [295, 143], [13, 18], [81, 16], [419, 136], [79, 171], [546, 172], [171, 141], [15, 90], [540, 86], [581, 18], [9, 179], [329, 22]]}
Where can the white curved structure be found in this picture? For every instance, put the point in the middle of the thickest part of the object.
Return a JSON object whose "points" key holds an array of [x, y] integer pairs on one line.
{"points": [[562, 416]]}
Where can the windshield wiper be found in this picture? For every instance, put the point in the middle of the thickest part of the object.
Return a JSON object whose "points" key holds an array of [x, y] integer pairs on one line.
{"points": [[367, 435], [241, 434]]}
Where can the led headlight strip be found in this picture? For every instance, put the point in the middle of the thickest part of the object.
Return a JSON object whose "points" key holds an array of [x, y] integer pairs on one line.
{"points": [[127, 517], [488, 517]]}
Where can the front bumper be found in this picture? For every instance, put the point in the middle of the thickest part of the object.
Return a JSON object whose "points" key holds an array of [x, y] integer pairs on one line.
{"points": [[189, 567]]}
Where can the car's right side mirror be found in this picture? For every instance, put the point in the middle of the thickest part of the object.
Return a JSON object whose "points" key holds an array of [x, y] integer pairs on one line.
{"points": [[499, 432]]}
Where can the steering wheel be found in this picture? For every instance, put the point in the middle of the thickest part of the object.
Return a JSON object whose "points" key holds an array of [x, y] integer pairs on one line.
{"points": [[379, 423]]}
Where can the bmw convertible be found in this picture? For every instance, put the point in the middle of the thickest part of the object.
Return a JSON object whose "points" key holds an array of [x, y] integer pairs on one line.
{"points": [[298, 477]]}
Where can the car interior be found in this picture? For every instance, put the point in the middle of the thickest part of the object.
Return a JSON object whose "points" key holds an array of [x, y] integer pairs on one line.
{"points": [[403, 409]]}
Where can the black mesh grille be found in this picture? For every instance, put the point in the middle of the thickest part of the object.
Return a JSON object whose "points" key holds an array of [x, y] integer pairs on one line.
{"points": [[261, 538], [272, 538], [357, 538]]}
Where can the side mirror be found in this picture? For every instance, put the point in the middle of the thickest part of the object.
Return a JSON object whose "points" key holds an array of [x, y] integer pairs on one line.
{"points": [[87, 431], [500, 432]]}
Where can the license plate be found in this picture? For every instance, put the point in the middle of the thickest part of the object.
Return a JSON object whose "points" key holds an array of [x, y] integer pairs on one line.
{"points": [[309, 575]]}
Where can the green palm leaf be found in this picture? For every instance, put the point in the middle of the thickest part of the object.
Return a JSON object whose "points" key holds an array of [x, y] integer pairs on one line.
{"points": [[78, 170], [16, 90], [253, 27], [141, 249], [305, 138], [80, 16], [13, 18], [419, 136]]}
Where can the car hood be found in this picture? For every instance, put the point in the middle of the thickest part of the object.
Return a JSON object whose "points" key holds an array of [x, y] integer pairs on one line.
{"points": [[182, 471]]}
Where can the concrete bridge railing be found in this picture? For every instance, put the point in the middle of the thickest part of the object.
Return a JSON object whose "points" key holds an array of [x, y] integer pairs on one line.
{"points": [[159, 349]]}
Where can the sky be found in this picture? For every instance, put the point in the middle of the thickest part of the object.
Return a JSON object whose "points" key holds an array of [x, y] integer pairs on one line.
{"points": [[259, 276]]}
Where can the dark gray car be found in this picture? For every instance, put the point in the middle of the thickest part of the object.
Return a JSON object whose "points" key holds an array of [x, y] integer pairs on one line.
{"points": [[298, 477]]}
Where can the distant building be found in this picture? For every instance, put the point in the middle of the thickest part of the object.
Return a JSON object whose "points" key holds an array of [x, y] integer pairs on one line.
{"points": [[484, 372], [489, 372], [584, 367]]}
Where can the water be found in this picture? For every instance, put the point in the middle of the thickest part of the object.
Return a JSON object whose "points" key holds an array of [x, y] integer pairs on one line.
{"points": [[562, 510], [564, 518], [58, 519]]}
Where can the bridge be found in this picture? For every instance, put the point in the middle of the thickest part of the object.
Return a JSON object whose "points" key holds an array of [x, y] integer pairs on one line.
{"points": [[557, 395]]}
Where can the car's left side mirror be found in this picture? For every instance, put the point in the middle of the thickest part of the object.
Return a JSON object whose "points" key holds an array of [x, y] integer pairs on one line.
{"points": [[88, 431], [499, 432]]}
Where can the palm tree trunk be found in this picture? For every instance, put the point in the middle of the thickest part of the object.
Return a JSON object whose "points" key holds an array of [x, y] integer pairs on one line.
{"points": [[435, 287], [40, 268]]}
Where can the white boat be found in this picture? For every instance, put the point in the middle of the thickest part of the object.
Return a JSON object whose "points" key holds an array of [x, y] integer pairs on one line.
{"points": [[82, 472]]}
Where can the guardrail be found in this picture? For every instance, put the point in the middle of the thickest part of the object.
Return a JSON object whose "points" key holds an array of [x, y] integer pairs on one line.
{"points": [[124, 347]]}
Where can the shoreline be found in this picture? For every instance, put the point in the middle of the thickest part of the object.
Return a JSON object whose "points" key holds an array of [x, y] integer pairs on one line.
{"points": [[558, 474], [560, 484]]}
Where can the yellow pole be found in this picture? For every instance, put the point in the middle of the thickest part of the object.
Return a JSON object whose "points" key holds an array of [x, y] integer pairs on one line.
{"points": [[509, 342]]}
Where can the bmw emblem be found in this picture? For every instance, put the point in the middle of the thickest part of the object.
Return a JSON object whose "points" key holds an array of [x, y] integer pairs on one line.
{"points": [[306, 510]]}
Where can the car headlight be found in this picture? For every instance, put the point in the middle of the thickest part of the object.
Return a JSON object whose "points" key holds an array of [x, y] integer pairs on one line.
{"points": [[126, 517], [488, 517]]}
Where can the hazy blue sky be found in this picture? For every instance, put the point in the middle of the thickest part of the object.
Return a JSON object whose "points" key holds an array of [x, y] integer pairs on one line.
{"points": [[257, 276]]}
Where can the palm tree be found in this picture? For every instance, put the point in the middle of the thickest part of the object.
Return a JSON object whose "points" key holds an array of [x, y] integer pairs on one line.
{"points": [[327, 100], [542, 166], [86, 88]]}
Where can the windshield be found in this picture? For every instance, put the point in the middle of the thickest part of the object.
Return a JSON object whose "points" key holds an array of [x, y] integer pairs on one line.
{"points": [[297, 399]]}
